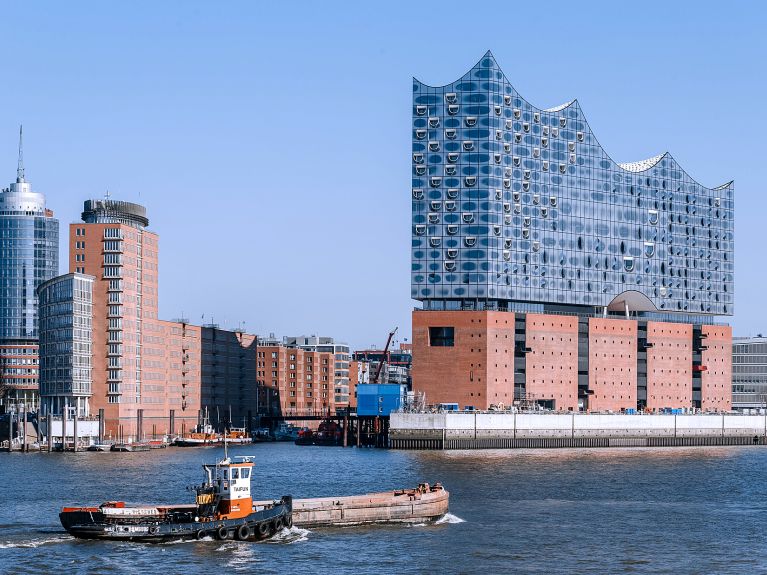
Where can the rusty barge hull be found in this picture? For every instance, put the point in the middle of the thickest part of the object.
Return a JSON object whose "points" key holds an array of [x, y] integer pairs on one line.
{"points": [[420, 505]]}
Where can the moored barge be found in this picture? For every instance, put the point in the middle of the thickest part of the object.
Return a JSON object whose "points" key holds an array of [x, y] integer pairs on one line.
{"points": [[223, 509]]}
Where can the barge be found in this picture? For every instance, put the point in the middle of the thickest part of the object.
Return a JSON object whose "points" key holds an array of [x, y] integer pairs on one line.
{"points": [[420, 505], [223, 509]]}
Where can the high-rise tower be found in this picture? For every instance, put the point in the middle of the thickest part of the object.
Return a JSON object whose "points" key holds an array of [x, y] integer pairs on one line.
{"points": [[29, 255]]}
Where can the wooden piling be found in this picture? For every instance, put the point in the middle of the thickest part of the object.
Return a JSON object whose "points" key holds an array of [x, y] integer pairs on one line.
{"points": [[23, 434], [49, 431], [10, 431], [346, 431], [74, 432], [64, 427], [102, 428]]}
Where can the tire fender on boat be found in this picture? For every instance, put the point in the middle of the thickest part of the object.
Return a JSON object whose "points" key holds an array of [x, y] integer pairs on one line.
{"points": [[288, 519], [263, 529], [278, 524], [222, 532], [200, 534], [154, 529], [243, 532]]}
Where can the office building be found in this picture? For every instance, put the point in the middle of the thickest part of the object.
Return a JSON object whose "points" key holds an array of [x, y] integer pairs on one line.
{"points": [[749, 373], [549, 273], [29, 255], [66, 340]]}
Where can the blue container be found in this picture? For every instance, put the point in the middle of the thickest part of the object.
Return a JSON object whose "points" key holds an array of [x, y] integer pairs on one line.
{"points": [[379, 398]]}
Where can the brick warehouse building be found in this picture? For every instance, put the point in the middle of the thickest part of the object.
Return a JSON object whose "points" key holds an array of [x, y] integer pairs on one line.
{"points": [[550, 274]]}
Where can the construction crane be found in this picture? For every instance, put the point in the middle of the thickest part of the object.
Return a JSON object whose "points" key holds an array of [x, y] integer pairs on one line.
{"points": [[384, 356]]}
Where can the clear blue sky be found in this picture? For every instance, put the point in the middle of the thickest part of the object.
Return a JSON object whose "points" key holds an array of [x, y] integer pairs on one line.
{"points": [[270, 142]]}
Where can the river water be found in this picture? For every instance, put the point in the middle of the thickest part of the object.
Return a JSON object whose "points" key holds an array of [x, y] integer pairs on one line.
{"points": [[666, 510]]}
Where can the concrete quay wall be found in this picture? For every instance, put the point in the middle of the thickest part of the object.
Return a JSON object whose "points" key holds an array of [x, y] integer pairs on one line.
{"points": [[494, 430]]}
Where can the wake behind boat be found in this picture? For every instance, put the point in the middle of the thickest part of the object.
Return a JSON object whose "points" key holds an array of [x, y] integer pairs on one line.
{"points": [[223, 509]]}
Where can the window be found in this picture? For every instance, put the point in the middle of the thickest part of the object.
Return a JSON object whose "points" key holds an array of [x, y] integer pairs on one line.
{"points": [[433, 122], [452, 109], [418, 158], [452, 158], [434, 146], [497, 110], [469, 181], [418, 194], [450, 134], [468, 146], [441, 336], [451, 97], [420, 110], [471, 121], [452, 193]]}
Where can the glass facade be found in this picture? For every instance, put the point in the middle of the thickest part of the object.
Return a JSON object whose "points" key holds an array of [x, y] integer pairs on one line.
{"points": [[517, 204], [749, 373], [66, 323]]}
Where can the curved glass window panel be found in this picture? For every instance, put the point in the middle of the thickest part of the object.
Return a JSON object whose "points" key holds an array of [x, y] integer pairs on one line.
{"points": [[545, 142], [451, 170], [649, 249], [536, 199], [717, 202], [507, 172], [433, 218], [452, 230], [509, 124], [470, 181], [418, 194], [468, 145], [435, 206], [470, 241], [526, 221], [506, 255], [450, 133], [434, 146], [497, 110], [507, 220], [652, 217], [451, 97], [526, 233], [434, 122], [536, 246], [628, 264], [420, 170], [536, 153], [435, 242], [450, 266], [497, 158], [507, 243], [453, 109], [536, 117], [420, 110], [545, 165], [554, 132], [450, 206], [526, 174], [526, 126], [499, 135], [452, 193], [553, 201], [571, 146], [497, 230], [579, 135], [420, 134], [516, 196], [507, 183], [470, 121], [507, 147], [420, 229], [517, 208], [507, 207], [517, 113], [525, 186], [545, 130], [418, 158], [544, 212], [468, 218], [562, 122], [562, 168], [436, 181], [498, 195], [452, 253], [507, 100], [516, 160], [517, 138], [572, 158], [452, 157]]}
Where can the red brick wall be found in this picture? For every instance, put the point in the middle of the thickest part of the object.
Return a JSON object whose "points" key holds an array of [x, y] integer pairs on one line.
{"points": [[716, 381], [669, 365], [552, 366], [612, 364], [477, 370]]}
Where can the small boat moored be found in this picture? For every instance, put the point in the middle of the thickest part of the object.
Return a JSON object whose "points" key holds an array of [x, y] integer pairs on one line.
{"points": [[223, 509]]}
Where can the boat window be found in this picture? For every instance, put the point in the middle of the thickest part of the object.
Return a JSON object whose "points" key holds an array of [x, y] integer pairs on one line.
{"points": [[245, 473], [235, 473], [226, 474]]}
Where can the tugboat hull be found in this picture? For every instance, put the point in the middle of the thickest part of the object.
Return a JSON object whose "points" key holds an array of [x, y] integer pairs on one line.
{"points": [[95, 523]]}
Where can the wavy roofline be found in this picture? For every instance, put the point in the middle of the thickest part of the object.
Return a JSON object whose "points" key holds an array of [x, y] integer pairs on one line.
{"points": [[575, 103]]}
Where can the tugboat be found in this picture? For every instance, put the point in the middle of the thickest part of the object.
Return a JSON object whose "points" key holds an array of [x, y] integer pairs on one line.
{"points": [[223, 509]]}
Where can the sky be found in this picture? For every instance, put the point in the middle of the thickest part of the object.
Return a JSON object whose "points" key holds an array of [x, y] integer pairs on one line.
{"points": [[270, 142]]}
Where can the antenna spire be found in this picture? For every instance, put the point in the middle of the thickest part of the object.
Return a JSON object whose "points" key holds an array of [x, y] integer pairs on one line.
{"points": [[20, 168]]}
